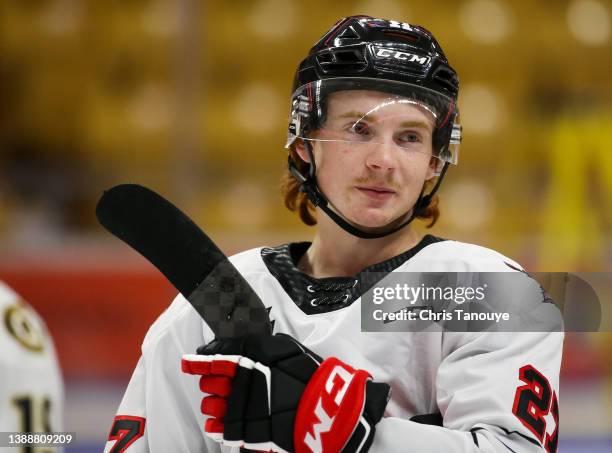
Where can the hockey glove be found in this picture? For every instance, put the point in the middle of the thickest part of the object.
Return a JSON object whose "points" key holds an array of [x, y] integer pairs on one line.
{"points": [[270, 393]]}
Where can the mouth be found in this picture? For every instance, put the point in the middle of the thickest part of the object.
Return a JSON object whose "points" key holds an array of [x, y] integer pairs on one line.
{"points": [[376, 192]]}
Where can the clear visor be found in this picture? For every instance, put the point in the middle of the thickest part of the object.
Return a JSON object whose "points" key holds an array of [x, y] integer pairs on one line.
{"points": [[364, 113]]}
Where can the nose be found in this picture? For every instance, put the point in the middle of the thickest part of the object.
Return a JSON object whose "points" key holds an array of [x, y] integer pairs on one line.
{"points": [[381, 157]]}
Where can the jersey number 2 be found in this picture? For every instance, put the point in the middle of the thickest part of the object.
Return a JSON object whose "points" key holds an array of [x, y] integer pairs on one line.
{"points": [[532, 402], [125, 431]]}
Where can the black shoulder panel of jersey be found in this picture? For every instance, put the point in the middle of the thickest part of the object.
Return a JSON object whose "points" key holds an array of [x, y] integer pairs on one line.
{"points": [[320, 295]]}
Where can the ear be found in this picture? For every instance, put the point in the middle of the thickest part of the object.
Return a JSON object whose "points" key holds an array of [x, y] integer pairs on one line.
{"points": [[300, 149], [431, 169]]}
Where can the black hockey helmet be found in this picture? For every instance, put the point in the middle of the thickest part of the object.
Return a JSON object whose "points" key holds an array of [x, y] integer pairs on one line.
{"points": [[364, 53]]}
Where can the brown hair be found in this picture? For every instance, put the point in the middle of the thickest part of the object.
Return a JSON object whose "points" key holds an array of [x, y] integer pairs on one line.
{"points": [[297, 201]]}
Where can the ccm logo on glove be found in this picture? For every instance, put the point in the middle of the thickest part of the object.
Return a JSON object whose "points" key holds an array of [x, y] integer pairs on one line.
{"points": [[321, 409]]}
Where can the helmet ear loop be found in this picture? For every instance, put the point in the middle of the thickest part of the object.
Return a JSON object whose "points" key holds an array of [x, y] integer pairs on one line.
{"points": [[312, 167], [308, 184], [442, 136], [424, 201]]}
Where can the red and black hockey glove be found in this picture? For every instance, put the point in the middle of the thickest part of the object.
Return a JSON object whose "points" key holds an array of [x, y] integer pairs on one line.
{"points": [[270, 393]]}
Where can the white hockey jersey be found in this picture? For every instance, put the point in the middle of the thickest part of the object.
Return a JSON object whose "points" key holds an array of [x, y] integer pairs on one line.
{"points": [[31, 386], [451, 392]]}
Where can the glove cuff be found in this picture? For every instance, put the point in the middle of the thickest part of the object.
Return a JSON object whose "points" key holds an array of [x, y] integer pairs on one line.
{"points": [[377, 397]]}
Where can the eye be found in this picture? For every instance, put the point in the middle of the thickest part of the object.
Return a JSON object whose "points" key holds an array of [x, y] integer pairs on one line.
{"points": [[360, 128], [409, 137]]}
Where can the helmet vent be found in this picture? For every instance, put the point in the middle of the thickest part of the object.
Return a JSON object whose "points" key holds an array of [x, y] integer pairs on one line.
{"points": [[446, 79], [348, 34], [340, 60], [403, 35]]}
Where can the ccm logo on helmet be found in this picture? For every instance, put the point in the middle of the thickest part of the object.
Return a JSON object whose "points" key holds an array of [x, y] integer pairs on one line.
{"points": [[339, 377], [404, 56]]}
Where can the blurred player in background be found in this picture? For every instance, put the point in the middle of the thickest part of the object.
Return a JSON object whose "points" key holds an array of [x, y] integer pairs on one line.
{"points": [[374, 127], [31, 386]]}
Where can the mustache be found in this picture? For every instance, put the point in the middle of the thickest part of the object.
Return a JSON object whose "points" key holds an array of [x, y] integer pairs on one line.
{"points": [[369, 181]]}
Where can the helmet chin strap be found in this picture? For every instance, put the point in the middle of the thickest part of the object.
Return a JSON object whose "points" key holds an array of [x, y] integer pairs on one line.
{"points": [[308, 185]]}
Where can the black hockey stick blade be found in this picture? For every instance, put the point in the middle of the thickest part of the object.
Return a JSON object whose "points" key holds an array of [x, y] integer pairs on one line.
{"points": [[188, 258]]}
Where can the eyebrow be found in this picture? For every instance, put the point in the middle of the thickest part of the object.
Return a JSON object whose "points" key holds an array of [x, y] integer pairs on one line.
{"points": [[355, 114], [415, 123], [359, 115]]}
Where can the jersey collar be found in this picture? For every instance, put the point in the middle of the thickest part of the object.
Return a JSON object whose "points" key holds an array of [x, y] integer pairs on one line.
{"points": [[321, 295]]}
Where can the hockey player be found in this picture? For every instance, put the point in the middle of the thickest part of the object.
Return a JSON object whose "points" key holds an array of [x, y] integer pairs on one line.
{"points": [[31, 386], [374, 129]]}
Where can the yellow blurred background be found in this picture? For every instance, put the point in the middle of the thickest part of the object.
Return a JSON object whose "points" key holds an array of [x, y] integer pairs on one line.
{"points": [[191, 98]]}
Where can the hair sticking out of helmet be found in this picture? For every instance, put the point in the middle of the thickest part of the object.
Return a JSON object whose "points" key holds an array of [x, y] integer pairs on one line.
{"points": [[365, 53]]}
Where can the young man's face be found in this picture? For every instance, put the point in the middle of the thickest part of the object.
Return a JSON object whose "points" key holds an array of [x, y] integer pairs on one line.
{"points": [[373, 155]]}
